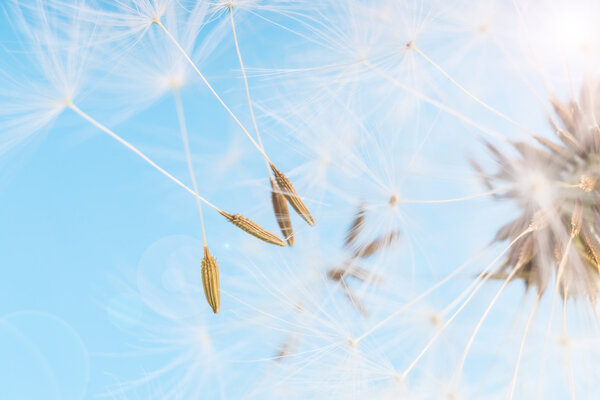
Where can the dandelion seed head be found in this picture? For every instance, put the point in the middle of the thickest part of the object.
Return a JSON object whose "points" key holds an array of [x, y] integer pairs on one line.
{"points": [[536, 188], [138, 14], [43, 71], [280, 7], [556, 181]]}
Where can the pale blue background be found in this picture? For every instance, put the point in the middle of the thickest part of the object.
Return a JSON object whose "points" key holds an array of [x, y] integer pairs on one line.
{"points": [[78, 212]]}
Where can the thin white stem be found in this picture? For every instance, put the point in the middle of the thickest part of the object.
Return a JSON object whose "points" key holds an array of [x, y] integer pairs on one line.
{"points": [[414, 301], [549, 325], [530, 46], [138, 152], [461, 364], [449, 321], [209, 86], [475, 196], [434, 287], [188, 154], [570, 378], [248, 98], [513, 381], [414, 47], [517, 68], [435, 103]]}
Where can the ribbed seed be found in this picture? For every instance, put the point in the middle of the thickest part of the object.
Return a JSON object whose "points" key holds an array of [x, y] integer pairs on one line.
{"points": [[282, 213], [591, 244], [247, 225], [210, 281], [577, 218], [292, 197]]}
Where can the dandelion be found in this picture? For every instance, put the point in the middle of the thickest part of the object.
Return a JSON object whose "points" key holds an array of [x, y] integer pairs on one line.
{"points": [[398, 291], [560, 181]]}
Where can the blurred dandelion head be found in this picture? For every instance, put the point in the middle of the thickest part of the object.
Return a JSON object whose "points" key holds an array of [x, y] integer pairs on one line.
{"points": [[556, 180]]}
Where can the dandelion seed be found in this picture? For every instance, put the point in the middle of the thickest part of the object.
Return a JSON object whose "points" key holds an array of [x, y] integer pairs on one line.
{"points": [[591, 245], [291, 195], [350, 269], [210, 268], [376, 245], [356, 226], [577, 217], [247, 225], [210, 281], [281, 213], [277, 198]]}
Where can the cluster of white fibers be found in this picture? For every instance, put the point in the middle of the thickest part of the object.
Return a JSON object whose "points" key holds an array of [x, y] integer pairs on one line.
{"points": [[401, 125]]}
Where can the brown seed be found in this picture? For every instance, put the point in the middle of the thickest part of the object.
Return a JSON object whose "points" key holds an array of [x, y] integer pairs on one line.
{"points": [[566, 112], [502, 276], [356, 226], [336, 274], [595, 138], [292, 197], [577, 218], [512, 229], [282, 213], [210, 281], [529, 151], [253, 228], [591, 244], [555, 148], [526, 252], [570, 141], [482, 175], [377, 244]]}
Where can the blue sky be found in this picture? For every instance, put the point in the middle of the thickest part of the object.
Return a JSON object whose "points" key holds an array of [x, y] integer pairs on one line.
{"points": [[101, 254]]}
